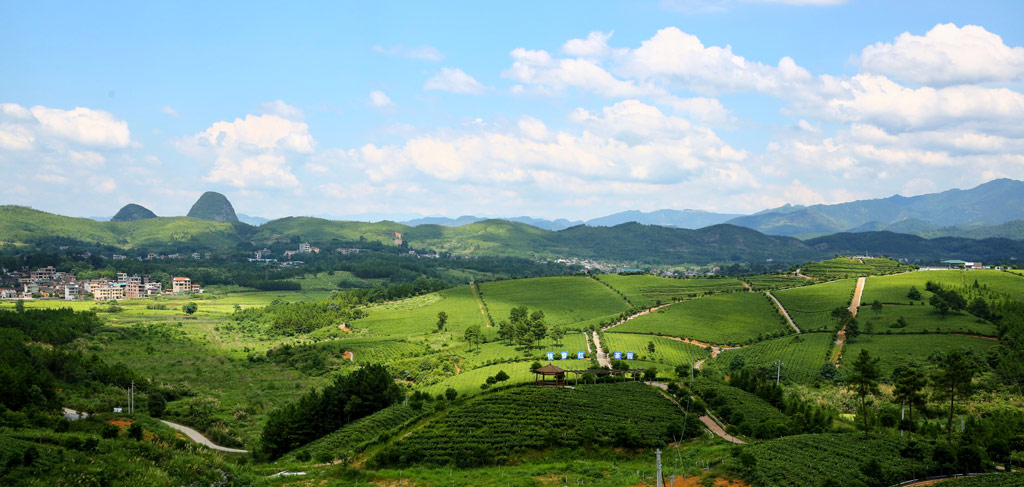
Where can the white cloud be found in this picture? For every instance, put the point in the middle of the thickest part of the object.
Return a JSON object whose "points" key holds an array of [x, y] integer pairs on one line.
{"points": [[170, 111], [102, 184], [946, 55], [550, 75], [21, 127], [251, 152], [533, 128], [426, 53], [454, 80], [380, 99], [918, 186], [283, 110], [594, 46]]}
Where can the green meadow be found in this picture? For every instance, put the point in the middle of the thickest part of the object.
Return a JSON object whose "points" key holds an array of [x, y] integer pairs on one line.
{"points": [[809, 306], [565, 301], [720, 319], [646, 290]]}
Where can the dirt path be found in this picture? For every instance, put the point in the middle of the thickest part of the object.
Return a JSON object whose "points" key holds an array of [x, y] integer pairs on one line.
{"points": [[480, 304], [798, 274], [783, 311], [199, 438], [602, 357], [857, 293], [717, 430], [854, 306], [747, 285], [644, 312], [715, 349]]}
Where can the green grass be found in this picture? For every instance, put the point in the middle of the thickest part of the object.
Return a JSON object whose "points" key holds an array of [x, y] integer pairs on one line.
{"points": [[802, 356], [893, 289], [723, 319], [566, 301], [494, 427], [923, 319], [810, 306], [356, 436], [418, 315], [666, 350], [912, 350], [647, 290], [734, 405]]}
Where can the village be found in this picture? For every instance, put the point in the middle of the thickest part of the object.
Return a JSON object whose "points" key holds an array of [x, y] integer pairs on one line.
{"points": [[48, 283]]}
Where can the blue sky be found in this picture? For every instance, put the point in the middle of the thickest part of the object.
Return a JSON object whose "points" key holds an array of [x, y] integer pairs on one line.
{"points": [[550, 109]]}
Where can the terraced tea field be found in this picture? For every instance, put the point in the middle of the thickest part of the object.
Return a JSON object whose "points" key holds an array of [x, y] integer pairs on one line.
{"points": [[893, 289], [575, 301], [647, 290], [770, 282], [802, 356], [923, 319], [722, 320], [666, 350], [810, 306], [845, 267]]}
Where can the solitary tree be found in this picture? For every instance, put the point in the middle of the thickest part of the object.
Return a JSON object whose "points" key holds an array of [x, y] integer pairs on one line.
{"points": [[442, 319], [876, 306], [914, 294], [190, 308], [908, 389], [650, 346], [557, 334], [953, 378], [450, 394], [864, 381]]}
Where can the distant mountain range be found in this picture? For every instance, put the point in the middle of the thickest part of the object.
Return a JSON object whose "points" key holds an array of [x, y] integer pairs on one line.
{"points": [[975, 224], [954, 212]]}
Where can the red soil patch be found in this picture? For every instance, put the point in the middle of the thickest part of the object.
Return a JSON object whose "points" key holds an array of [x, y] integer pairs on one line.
{"points": [[121, 423]]}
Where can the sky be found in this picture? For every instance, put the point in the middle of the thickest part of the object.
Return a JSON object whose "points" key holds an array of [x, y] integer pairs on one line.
{"points": [[373, 110]]}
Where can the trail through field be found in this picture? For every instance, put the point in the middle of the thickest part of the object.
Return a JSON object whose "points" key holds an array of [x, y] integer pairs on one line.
{"points": [[642, 313], [855, 302], [717, 430], [480, 304], [854, 305], [798, 274], [199, 438], [783, 311], [747, 285], [602, 357]]}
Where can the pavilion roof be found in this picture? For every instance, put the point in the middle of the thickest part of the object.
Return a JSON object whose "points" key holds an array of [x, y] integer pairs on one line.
{"points": [[549, 369]]}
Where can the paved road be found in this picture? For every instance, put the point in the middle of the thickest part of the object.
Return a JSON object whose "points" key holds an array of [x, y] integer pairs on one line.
{"points": [[199, 438], [602, 356], [630, 317], [783, 311], [716, 429]]}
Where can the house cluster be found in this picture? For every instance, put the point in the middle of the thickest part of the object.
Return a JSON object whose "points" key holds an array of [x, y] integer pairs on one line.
{"points": [[42, 282], [304, 248], [46, 282]]}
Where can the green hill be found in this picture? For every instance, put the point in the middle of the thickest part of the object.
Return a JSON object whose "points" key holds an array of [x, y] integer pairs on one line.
{"points": [[132, 212], [213, 206], [19, 224]]}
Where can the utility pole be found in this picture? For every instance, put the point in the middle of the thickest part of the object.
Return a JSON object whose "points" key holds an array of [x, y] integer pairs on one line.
{"points": [[660, 481], [778, 371], [131, 402]]}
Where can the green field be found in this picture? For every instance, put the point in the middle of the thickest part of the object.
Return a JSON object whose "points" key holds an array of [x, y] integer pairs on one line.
{"points": [[566, 301], [647, 290], [770, 282], [802, 356], [844, 268], [722, 320], [923, 319], [810, 306], [893, 289], [492, 428], [734, 405], [666, 350], [418, 315], [912, 350], [804, 460]]}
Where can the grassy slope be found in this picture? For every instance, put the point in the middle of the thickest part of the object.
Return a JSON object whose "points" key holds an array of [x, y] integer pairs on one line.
{"points": [[724, 319], [907, 350], [20, 224], [809, 306], [666, 350], [893, 289], [647, 290], [802, 356], [566, 301], [418, 316]]}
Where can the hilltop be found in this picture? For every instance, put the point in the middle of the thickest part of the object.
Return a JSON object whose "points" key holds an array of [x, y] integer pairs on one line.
{"points": [[213, 206], [132, 212]]}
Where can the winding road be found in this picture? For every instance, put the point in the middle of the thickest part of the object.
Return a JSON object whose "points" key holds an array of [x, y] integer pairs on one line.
{"points": [[199, 438], [783, 311], [854, 306], [602, 356]]}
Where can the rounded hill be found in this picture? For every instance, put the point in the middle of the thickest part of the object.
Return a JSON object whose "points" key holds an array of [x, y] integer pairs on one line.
{"points": [[132, 212], [213, 206]]}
